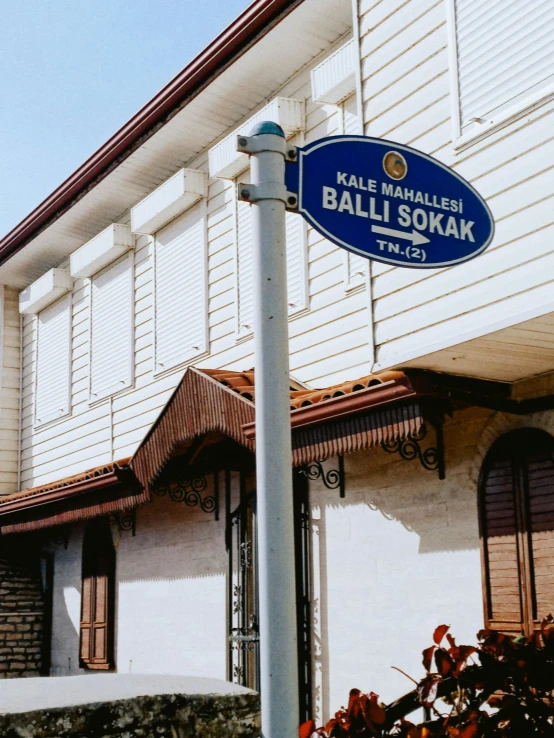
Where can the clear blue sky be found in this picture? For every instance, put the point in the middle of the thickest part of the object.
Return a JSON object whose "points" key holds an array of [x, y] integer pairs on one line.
{"points": [[73, 71]]}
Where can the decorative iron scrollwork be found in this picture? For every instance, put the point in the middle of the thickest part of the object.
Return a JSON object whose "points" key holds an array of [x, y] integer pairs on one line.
{"points": [[432, 458], [125, 521], [332, 478], [60, 536], [190, 491]]}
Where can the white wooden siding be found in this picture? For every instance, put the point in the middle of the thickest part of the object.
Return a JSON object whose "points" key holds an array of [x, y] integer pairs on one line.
{"points": [[9, 389], [181, 310], [406, 90], [329, 342]]}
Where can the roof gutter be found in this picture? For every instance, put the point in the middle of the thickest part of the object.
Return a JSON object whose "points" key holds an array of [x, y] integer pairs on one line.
{"points": [[247, 29]]}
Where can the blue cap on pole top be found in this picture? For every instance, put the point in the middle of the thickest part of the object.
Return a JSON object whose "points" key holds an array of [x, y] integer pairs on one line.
{"points": [[267, 127]]}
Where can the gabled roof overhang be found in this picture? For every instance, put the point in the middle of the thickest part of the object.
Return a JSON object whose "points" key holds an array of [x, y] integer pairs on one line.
{"points": [[103, 490], [381, 409]]}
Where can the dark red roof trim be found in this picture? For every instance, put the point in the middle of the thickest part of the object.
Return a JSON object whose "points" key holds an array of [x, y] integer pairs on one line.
{"points": [[97, 493], [365, 418], [249, 27]]}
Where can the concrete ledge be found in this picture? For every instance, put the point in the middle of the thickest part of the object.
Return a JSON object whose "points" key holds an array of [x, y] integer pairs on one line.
{"points": [[127, 706]]}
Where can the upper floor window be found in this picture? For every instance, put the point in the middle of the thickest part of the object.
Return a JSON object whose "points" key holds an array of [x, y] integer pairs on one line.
{"points": [[112, 321], [504, 54], [181, 312], [53, 362], [517, 530]]}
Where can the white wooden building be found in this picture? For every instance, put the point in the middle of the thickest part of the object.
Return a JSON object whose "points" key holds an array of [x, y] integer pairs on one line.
{"points": [[132, 282]]}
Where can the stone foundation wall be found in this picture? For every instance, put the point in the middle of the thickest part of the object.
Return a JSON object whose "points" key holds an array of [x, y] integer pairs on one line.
{"points": [[21, 619]]}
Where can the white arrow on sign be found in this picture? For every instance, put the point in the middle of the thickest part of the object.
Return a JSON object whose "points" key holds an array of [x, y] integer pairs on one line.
{"points": [[415, 237]]}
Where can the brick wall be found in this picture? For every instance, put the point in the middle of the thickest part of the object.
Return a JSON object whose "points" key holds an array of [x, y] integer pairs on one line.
{"points": [[21, 618]]}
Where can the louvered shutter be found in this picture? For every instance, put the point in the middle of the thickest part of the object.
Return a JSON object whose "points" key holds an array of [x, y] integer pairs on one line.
{"points": [[351, 124], [517, 526], [296, 262], [87, 586], [180, 274], [355, 270], [245, 273], [505, 52], [540, 482], [503, 576], [53, 361], [97, 597], [112, 329]]}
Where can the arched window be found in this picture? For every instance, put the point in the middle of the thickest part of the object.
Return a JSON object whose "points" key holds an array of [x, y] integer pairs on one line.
{"points": [[517, 530], [97, 597]]}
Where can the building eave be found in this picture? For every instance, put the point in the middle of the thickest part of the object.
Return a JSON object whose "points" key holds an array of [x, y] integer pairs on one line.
{"points": [[247, 29]]}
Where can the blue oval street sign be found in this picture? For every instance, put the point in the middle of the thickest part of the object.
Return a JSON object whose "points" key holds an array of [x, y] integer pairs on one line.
{"points": [[389, 202]]}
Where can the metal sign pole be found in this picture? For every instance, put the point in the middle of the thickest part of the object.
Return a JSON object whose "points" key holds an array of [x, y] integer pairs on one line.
{"points": [[278, 637]]}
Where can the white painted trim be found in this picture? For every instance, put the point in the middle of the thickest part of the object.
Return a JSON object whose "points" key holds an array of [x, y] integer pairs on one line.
{"points": [[453, 68], [462, 141], [111, 392], [240, 336], [304, 307], [236, 256], [505, 117], [483, 329]]}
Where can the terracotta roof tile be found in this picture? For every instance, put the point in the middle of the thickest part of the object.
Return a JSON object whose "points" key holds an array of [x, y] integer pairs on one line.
{"points": [[97, 471], [243, 383]]}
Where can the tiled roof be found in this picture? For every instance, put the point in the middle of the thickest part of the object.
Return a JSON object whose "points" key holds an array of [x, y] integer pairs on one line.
{"points": [[95, 472], [243, 383]]}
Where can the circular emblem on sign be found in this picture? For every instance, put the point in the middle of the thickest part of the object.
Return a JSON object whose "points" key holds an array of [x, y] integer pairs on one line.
{"points": [[395, 165]]}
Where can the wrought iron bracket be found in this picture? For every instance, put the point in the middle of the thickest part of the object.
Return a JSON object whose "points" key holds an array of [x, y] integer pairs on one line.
{"points": [[332, 478], [431, 458], [60, 536], [125, 521], [191, 490]]}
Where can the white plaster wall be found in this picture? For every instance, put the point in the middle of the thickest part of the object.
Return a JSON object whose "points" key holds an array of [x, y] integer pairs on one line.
{"points": [[170, 599], [394, 559], [67, 605], [172, 593]]}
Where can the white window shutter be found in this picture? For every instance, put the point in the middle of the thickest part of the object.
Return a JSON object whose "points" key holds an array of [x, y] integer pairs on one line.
{"points": [[505, 51], [181, 295], [53, 362], [296, 263], [245, 273], [355, 267], [351, 125], [112, 329]]}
